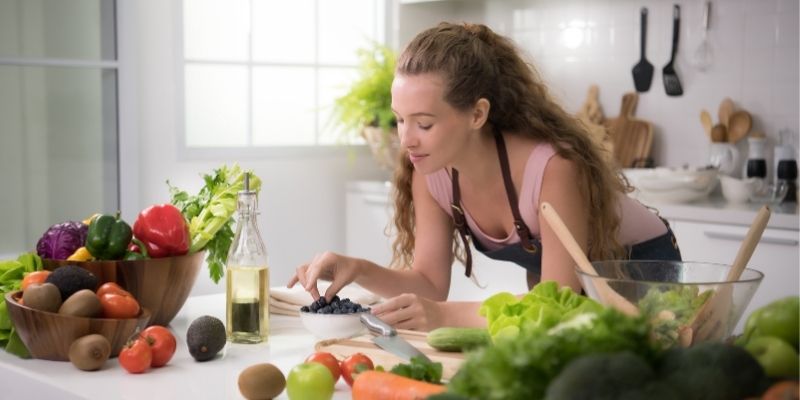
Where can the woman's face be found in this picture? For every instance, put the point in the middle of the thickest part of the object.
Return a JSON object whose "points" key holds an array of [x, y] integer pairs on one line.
{"points": [[432, 131]]}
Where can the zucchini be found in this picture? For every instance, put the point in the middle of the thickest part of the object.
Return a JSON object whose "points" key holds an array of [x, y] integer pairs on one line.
{"points": [[458, 339]]}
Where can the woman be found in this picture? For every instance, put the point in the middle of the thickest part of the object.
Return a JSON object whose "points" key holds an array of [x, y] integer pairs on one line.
{"points": [[484, 145]]}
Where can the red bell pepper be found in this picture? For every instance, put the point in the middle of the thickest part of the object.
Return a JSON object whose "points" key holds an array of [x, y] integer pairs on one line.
{"points": [[163, 230]]}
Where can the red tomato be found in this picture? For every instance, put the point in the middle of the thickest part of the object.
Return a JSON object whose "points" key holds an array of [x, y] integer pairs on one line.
{"points": [[353, 365], [136, 357], [111, 287], [162, 344], [119, 306], [328, 360], [34, 277]]}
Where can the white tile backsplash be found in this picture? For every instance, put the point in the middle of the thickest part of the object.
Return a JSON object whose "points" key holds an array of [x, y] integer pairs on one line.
{"points": [[755, 61]]}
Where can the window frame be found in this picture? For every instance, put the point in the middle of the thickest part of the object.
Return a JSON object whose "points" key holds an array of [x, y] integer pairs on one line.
{"points": [[250, 151]]}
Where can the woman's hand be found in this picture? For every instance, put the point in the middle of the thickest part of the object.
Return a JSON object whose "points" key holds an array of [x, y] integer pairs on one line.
{"points": [[409, 311], [328, 266]]}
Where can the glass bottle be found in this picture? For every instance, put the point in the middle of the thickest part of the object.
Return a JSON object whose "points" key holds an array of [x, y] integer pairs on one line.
{"points": [[756, 160], [247, 276]]}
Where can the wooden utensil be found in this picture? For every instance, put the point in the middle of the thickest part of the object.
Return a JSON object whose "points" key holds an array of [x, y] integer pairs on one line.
{"points": [[632, 138], [711, 320], [609, 296], [725, 111], [719, 134], [739, 125], [342, 348], [672, 84], [643, 70], [705, 119]]}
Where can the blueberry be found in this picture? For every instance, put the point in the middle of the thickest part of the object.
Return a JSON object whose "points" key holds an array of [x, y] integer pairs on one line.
{"points": [[305, 309], [346, 300], [321, 301], [326, 310], [313, 307], [337, 311], [335, 299]]}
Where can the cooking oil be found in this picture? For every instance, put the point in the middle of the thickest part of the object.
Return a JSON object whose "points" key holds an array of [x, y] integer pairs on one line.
{"points": [[247, 303], [247, 281]]}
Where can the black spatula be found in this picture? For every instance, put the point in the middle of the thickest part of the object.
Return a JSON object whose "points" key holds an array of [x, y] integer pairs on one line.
{"points": [[671, 82], [643, 70]]}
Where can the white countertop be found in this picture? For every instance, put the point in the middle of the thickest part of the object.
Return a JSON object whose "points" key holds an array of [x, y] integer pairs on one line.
{"points": [[183, 378]]}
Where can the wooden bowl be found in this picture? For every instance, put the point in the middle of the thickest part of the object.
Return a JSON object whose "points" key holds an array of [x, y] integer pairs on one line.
{"points": [[48, 335], [159, 284]]}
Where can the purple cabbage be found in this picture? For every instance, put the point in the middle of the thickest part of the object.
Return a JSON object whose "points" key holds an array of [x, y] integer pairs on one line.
{"points": [[61, 240]]}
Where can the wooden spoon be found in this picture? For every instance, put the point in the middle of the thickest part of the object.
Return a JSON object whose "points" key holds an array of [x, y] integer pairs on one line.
{"points": [[705, 119], [609, 296], [739, 125], [719, 134], [725, 111], [712, 318]]}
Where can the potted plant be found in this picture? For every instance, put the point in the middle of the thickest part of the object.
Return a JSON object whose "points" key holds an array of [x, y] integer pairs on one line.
{"points": [[366, 108]]}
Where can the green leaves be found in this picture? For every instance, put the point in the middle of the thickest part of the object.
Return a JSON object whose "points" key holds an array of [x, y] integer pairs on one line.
{"points": [[420, 369], [210, 213], [11, 274]]}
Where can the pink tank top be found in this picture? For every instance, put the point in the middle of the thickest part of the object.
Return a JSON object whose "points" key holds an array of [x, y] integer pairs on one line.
{"points": [[637, 223]]}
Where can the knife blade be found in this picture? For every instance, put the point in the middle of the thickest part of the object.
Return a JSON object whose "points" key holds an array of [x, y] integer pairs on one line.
{"points": [[388, 339]]}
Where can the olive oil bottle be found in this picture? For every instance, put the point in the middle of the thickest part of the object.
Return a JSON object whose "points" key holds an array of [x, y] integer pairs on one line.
{"points": [[247, 276]]}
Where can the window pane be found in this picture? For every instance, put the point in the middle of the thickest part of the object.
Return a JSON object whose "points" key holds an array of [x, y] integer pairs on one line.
{"points": [[333, 83], [216, 30], [345, 26], [283, 31], [58, 150], [57, 29], [216, 105], [283, 106]]}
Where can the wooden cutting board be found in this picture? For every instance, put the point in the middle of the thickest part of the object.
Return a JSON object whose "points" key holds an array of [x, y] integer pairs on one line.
{"points": [[342, 348], [632, 138]]}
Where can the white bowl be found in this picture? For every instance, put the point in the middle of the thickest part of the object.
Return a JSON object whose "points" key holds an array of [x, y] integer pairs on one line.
{"points": [[738, 190], [332, 326], [673, 185]]}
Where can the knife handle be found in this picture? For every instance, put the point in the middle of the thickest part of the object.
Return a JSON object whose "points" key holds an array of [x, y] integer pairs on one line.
{"points": [[375, 325]]}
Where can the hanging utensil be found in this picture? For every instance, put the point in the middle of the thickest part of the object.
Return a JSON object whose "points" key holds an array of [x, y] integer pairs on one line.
{"points": [[643, 70], [671, 82], [703, 55], [739, 125], [725, 111], [705, 119]]}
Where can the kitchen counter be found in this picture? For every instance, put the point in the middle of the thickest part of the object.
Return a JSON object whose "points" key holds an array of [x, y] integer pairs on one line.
{"points": [[183, 378]]}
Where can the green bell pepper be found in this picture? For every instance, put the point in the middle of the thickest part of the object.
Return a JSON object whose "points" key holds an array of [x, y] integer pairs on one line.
{"points": [[108, 237]]}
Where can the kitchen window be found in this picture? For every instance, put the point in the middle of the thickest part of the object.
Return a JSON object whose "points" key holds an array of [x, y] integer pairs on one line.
{"points": [[265, 73], [59, 107]]}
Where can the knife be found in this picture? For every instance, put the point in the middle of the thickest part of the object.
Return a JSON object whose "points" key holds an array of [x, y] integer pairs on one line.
{"points": [[388, 340]]}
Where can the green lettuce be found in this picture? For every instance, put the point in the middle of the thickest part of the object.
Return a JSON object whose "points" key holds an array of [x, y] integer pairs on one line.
{"points": [[544, 306], [11, 274]]}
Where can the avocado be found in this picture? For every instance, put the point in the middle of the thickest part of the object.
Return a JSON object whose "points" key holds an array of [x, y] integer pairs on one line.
{"points": [[205, 337], [72, 278]]}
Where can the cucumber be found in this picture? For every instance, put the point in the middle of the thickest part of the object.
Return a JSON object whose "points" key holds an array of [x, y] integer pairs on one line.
{"points": [[458, 339]]}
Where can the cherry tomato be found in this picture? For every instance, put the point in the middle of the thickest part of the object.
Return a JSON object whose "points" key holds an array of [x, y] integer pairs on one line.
{"points": [[353, 365], [111, 287], [136, 356], [34, 277], [162, 344], [328, 360], [119, 306]]}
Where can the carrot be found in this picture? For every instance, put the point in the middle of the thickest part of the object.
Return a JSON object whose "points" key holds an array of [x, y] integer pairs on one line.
{"points": [[783, 390], [379, 385]]}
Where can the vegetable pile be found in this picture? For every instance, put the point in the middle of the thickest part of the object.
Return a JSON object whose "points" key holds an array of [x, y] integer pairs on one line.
{"points": [[210, 213], [12, 273]]}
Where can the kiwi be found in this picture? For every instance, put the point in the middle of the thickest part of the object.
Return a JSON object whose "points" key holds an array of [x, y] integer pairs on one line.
{"points": [[205, 337], [89, 352], [84, 303], [261, 381], [42, 296]]}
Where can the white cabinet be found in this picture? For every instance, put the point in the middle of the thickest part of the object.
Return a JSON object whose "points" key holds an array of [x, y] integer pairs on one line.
{"points": [[777, 255], [369, 211]]}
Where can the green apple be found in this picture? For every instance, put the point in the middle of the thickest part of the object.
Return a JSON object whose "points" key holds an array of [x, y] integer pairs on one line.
{"points": [[310, 381], [780, 319], [778, 358]]}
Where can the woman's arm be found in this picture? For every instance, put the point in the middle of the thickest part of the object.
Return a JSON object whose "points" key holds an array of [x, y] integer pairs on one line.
{"points": [[560, 187]]}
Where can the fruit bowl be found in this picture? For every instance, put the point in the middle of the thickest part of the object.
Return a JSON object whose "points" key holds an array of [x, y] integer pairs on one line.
{"points": [[48, 335], [672, 292], [159, 284], [332, 326]]}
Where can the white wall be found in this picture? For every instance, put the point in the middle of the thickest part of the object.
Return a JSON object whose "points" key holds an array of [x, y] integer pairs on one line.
{"points": [[302, 198], [754, 42]]}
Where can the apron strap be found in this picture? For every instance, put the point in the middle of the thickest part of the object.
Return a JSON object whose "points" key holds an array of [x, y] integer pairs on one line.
{"points": [[519, 224], [460, 222]]}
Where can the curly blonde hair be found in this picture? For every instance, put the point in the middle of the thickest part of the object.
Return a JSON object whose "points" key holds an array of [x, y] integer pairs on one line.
{"points": [[476, 63]]}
